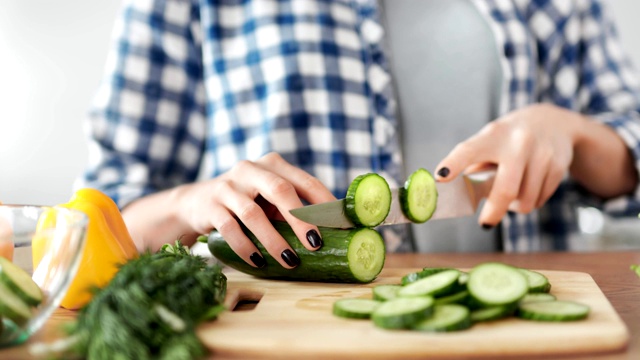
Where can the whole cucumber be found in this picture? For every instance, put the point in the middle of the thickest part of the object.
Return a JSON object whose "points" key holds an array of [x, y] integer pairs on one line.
{"points": [[347, 256]]}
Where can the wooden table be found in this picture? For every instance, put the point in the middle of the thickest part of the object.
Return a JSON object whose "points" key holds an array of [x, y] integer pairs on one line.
{"points": [[610, 270]]}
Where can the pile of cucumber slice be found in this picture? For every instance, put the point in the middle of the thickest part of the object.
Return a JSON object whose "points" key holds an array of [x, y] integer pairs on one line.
{"points": [[447, 299], [19, 294]]}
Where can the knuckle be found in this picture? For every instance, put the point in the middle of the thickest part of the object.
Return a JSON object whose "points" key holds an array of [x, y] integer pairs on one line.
{"points": [[227, 225], [311, 182], [242, 165], [280, 186], [272, 158], [250, 212]]}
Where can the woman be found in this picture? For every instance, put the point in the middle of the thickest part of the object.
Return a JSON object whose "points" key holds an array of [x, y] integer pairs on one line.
{"points": [[224, 113]]}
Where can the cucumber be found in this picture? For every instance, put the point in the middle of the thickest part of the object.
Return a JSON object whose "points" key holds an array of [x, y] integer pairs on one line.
{"points": [[419, 196], [492, 313], [428, 271], [355, 308], [347, 256], [368, 200], [435, 285], [459, 297], [537, 297], [538, 283], [386, 292], [13, 307], [19, 283], [496, 284], [401, 313], [451, 317], [555, 310]]}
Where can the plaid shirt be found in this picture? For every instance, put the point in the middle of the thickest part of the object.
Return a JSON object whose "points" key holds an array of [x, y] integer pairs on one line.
{"points": [[193, 87]]}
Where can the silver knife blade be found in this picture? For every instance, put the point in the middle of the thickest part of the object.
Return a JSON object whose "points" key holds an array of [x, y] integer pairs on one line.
{"points": [[457, 198]]}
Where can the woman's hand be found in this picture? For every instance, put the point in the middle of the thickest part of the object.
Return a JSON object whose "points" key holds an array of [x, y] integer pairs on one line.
{"points": [[251, 193], [534, 148]]}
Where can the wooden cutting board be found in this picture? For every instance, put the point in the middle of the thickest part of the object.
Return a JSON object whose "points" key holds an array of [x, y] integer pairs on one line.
{"points": [[294, 320]]}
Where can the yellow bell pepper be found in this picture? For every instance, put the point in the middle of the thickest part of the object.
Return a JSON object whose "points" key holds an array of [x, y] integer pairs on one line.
{"points": [[108, 245]]}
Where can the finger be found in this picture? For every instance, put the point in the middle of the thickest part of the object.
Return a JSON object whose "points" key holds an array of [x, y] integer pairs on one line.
{"points": [[282, 194], [231, 231], [534, 176], [505, 189], [307, 186], [550, 185], [476, 149], [252, 216]]}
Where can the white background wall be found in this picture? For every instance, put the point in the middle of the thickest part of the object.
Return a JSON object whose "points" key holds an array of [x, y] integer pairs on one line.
{"points": [[51, 58]]}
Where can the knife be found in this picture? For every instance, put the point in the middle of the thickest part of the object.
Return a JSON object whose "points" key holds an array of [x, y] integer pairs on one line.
{"points": [[457, 198]]}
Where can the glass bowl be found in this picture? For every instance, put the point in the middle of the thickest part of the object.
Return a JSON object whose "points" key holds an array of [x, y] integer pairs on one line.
{"points": [[52, 239]]}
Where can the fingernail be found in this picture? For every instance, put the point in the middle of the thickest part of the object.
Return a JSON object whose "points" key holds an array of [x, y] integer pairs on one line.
{"points": [[290, 258], [314, 239], [443, 172], [487, 226], [258, 260]]}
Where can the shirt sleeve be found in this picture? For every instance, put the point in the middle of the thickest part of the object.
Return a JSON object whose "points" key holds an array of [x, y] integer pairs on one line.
{"points": [[146, 124], [587, 70]]}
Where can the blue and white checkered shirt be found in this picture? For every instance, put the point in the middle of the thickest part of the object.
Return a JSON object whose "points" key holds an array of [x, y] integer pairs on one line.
{"points": [[192, 87]]}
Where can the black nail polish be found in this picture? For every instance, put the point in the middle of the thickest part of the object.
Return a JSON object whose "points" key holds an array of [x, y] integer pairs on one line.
{"points": [[290, 258], [314, 239], [487, 226], [258, 260], [443, 172]]}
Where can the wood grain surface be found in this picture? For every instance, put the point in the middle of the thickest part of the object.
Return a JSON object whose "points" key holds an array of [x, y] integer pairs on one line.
{"points": [[294, 320]]}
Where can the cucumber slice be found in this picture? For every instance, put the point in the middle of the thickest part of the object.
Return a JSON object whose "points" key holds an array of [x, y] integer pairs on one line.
{"points": [[537, 297], [13, 307], [451, 317], [496, 284], [19, 282], [368, 200], [492, 313], [355, 308], [435, 285], [419, 196], [538, 283], [386, 292], [415, 276], [459, 297], [555, 310], [401, 313]]}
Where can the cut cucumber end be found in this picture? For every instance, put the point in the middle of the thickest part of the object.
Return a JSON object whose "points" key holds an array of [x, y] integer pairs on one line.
{"points": [[366, 254], [368, 200], [419, 196]]}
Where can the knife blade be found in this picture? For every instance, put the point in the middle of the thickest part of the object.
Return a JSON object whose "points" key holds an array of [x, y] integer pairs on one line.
{"points": [[457, 198]]}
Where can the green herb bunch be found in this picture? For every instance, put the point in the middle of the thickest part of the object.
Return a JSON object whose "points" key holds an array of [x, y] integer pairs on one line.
{"points": [[151, 308]]}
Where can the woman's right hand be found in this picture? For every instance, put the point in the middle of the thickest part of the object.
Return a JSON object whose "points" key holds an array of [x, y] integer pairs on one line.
{"points": [[253, 192]]}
